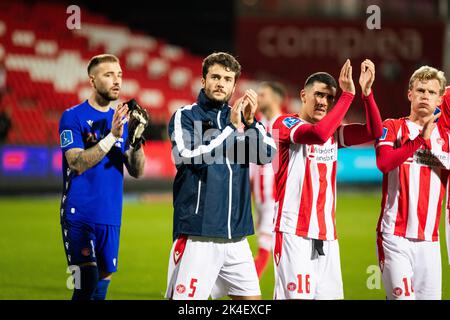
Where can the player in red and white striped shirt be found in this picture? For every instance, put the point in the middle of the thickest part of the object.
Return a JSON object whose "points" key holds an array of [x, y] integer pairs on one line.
{"points": [[444, 120], [306, 251], [270, 99], [413, 155]]}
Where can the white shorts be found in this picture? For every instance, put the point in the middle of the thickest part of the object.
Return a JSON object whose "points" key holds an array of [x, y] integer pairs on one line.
{"points": [[301, 273], [264, 224], [411, 269], [200, 267]]}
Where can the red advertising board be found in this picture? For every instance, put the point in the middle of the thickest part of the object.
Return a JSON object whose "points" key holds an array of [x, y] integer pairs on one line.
{"points": [[293, 49], [158, 162]]}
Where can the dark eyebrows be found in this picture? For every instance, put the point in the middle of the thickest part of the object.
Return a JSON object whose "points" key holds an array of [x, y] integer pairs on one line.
{"points": [[220, 76], [329, 96]]}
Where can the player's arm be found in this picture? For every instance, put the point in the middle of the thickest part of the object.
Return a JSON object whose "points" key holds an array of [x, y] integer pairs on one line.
{"points": [[320, 132], [389, 158], [80, 160], [135, 161], [188, 145]]}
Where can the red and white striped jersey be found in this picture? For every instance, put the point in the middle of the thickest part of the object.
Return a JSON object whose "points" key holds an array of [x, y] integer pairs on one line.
{"points": [[305, 177], [413, 192]]}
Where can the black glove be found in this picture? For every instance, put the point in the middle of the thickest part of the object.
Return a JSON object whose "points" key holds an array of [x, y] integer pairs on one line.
{"points": [[137, 124]]}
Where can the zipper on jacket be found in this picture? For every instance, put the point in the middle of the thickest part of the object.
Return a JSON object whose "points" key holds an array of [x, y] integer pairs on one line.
{"points": [[218, 119], [198, 196], [230, 187]]}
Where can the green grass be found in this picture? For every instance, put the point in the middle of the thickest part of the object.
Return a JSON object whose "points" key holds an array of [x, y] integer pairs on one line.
{"points": [[33, 266]]}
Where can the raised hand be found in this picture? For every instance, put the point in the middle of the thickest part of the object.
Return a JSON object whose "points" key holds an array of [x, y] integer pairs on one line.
{"points": [[367, 76], [250, 105], [235, 115], [345, 78], [117, 123], [429, 126]]}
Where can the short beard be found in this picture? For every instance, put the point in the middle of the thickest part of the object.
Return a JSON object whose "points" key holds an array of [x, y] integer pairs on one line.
{"points": [[219, 102], [106, 95]]}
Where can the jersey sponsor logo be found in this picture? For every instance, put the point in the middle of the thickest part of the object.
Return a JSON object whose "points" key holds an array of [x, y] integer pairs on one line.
{"points": [[290, 122], [385, 132], [66, 138], [397, 291], [291, 286], [90, 123], [181, 289]]}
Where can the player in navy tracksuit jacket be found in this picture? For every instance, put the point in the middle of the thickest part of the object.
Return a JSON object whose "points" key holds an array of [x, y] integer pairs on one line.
{"points": [[213, 200], [212, 149]]}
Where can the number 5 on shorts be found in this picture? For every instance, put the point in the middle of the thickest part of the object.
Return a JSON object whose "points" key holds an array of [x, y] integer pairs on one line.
{"points": [[193, 287]]}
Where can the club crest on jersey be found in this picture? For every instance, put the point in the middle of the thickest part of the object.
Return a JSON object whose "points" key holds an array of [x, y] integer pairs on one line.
{"points": [[385, 132], [397, 291], [66, 138], [290, 122], [291, 286], [181, 289]]}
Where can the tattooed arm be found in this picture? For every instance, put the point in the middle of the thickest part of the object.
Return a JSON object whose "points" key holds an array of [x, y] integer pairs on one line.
{"points": [[80, 160], [135, 161]]}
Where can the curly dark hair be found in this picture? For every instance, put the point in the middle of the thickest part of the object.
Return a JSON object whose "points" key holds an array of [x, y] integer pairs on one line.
{"points": [[224, 59]]}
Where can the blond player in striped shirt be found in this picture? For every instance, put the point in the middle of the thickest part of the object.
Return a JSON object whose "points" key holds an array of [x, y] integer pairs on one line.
{"points": [[413, 154]]}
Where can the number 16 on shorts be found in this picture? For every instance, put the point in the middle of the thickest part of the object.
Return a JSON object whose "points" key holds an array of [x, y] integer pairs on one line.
{"points": [[302, 285]]}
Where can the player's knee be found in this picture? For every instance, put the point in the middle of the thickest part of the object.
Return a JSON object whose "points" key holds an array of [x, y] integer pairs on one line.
{"points": [[87, 282]]}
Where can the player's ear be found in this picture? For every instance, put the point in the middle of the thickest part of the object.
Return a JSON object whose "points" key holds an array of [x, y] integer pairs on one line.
{"points": [[203, 82], [91, 80], [303, 95], [410, 95]]}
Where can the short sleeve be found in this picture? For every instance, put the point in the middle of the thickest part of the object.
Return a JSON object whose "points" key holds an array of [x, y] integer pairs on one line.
{"points": [[70, 134], [389, 135]]}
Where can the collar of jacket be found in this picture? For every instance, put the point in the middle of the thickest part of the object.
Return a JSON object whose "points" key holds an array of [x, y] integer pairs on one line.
{"points": [[208, 104]]}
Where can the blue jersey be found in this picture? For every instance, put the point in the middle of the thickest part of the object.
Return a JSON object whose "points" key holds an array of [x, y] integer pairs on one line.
{"points": [[95, 196]]}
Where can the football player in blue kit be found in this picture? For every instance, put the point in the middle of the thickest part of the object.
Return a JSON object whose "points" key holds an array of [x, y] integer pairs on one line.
{"points": [[95, 146]]}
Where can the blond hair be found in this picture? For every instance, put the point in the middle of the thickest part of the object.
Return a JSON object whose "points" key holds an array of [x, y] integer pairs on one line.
{"points": [[96, 60], [425, 73]]}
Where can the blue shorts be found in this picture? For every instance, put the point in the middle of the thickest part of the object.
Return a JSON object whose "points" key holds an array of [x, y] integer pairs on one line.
{"points": [[90, 242]]}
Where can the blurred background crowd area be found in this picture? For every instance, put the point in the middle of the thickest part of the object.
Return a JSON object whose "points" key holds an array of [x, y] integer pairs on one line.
{"points": [[161, 46]]}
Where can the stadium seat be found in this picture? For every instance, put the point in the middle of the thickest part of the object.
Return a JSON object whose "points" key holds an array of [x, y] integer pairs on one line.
{"points": [[46, 67]]}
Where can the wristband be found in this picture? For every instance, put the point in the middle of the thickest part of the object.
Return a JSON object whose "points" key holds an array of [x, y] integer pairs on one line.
{"points": [[107, 142]]}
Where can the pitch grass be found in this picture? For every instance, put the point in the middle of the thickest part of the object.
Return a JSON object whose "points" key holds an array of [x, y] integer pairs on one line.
{"points": [[32, 262]]}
